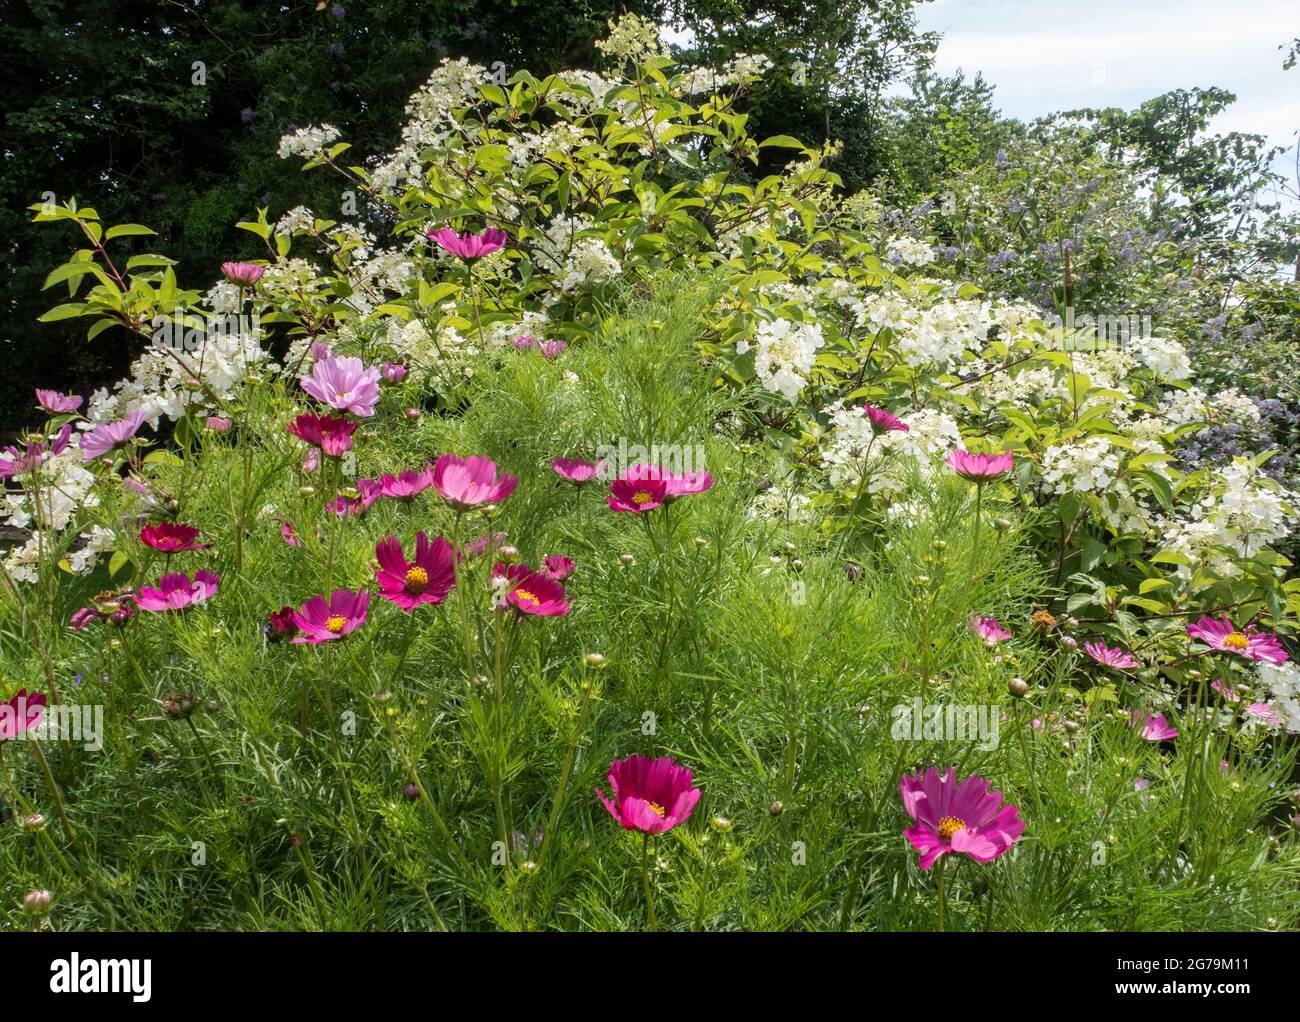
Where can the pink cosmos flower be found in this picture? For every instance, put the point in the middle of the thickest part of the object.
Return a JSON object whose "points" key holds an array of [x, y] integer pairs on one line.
{"points": [[988, 629], [637, 496], [406, 485], [678, 485], [55, 403], [426, 579], [392, 372], [1154, 727], [882, 421], [467, 483], [558, 568], [288, 535], [960, 817], [243, 274], [531, 593], [114, 607], [1107, 657], [650, 795], [344, 383], [576, 470], [468, 246], [21, 713], [176, 591], [979, 468], [347, 504], [110, 436], [484, 544], [15, 462], [170, 537], [331, 434], [1263, 713], [311, 460], [552, 349], [1222, 634], [320, 351], [218, 424], [323, 621], [281, 624]]}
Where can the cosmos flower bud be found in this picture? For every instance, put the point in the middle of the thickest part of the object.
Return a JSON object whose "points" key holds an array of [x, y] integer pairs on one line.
{"points": [[721, 823], [179, 705], [776, 809], [852, 571], [383, 697], [1002, 524], [1069, 642], [789, 548], [939, 544], [38, 902], [411, 791], [33, 821], [1018, 687], [306, 491], [700, 542], [594, 660], [413, 413], [627, 560], [508, 554]]}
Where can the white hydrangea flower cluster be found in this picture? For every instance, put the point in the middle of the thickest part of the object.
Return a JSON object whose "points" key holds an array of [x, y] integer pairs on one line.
{"points": [[1088, 467], [780, 503], [631, 38], [888, 459], [742, 69], [1282, 683], [308, 142], [943, 332], [786, 352], [1165, 357], [300, 218], [565, 253], [909, 251]]}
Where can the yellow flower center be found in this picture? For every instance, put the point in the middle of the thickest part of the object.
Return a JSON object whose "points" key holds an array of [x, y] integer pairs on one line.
{"points": [[658, 809], [641, 497], [1236, 640], [416, 580], [524, 596], [335, 624], [949, 826]]}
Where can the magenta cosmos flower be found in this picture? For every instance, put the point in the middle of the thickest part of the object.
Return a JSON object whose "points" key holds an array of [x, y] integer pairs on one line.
{"points": [[552, 349], [638, 496], [110, 436], [176, 592], [650, 795], [331, 434], [980, 468], [468, 246], [320, 620], [15, 462], [988, 629], [426, 579], [281, 624], [243, 274], [467, 483], [170, 537], [21, 713], [882, 421], [677, 485], [1107, 657], [1223, 635], [1153, 727], [55, 403], [957, 817], [392, 372], [530, 592], [576, 470], [344, 383], [558, 568], [405, 486]]}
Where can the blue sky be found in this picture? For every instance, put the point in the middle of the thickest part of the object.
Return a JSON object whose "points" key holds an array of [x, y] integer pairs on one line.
{"points": [[1044, 55]]}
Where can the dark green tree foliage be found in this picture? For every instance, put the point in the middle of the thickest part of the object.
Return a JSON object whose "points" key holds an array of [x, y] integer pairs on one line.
{"points": [[834, 59], [102, 100]]}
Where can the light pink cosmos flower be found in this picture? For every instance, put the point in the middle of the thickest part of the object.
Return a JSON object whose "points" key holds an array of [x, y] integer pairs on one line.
{"points": [[468, 246], [176, 592], [1154, 727], [650, 795], [406, 485], [524, 342], [552, 349], [110, 436], [320, 351], [55, 403], [392, 372], [484, 544], [989, 629], [882, 421], [467, 483], [531, 593], [1263, 713], [15, 462], [332, 434], [960, 817], [21, 713], [170, 537], [558, 568], [426, 579], [1222, 634], [218, 424], [575, 470], [1224, 689], [980, 468], [344, 383], [243, 274], [1107, 657], [324, 621]]}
